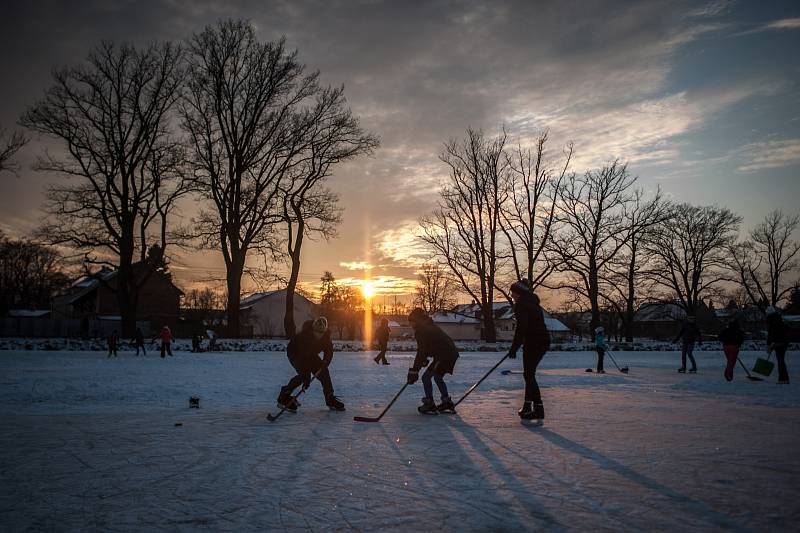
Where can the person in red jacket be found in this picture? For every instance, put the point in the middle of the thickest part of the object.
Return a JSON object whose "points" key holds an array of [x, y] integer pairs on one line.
{"points": [[166, 341], [731, 338]]}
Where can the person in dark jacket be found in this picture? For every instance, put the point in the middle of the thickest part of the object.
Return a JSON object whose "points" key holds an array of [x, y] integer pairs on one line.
{"points": [[778, 340], [303, 353], [532, 335], [688, 335], [731, 338], [382, 336], [112, 344], [139, 341], [433, 343]]}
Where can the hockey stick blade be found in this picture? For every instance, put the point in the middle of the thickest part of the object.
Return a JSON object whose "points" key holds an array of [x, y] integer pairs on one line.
{"points": [[365, 419]]}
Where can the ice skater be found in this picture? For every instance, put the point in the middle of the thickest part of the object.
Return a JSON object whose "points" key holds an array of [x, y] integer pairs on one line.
{"points": [[112, 344], [139, 341], [600, 347], [778, 340], [166, 341], [382, 335], [530, 333], [732, 338], [688, 335], [433, 343], [303, 353]]}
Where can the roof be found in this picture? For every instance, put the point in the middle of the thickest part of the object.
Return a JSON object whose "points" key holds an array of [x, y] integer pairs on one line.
{"points": [[659, 312], [465, 314], [87, 284], [28, 313], [750, 314], [454, 318], [248, 301]]}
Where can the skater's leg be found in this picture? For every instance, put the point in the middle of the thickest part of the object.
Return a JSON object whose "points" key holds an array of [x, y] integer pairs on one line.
{"points": [[600, 355], [684, 349], [295, 382], [426, 383], [530, 361], [163, 350], [439, 379], [731, 354], [169, 348], [780, 355], [689, 352]]}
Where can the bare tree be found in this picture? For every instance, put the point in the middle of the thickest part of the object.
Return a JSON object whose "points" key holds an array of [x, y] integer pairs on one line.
{"points": [[464, 230], [765, 261], [240, 113], [332, 135], [30, 274], [112, 115], [10, 144], [626, 274], [434, 291], [591, 231], [690, 250], [527, 217]]}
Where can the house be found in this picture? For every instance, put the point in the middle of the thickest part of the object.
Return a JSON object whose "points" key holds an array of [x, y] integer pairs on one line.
{"points": [[263, 312], [663, 320], [93, 300], [463, 323]]}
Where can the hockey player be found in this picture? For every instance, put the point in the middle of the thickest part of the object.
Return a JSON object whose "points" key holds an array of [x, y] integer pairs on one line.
{"points": [[433, 343], [112, 344], [166, 341], [731, 338], [303, 353], [139, 341], [688, 335], [382, 336], [778, 340], [600, 347], [531, 334]]}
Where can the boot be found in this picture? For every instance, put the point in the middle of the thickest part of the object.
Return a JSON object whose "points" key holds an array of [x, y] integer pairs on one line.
{"points": [[427, 407], [287, 401], [334, 403], [446, 407], [682, 370], [693, 370], [527, 411], [377, 360], [538, 411]]}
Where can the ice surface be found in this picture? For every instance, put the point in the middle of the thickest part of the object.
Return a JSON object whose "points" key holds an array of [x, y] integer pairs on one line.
{"points": [[91, 443]]}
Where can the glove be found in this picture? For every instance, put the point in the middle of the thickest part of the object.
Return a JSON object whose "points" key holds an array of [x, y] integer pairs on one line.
{"points": [[512, 354], [413, 376]]}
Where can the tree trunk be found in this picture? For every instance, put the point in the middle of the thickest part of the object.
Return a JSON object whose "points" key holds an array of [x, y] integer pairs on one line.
{"points": [[234, 282], [593, 296], [288, 318], [489, 332], [629, 311], [126, 285]]}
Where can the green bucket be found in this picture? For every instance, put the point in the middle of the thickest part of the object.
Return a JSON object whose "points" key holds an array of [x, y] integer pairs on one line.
{"points": [[763, 366]]}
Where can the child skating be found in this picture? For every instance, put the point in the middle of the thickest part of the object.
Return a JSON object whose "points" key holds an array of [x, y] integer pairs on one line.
{"points": [[303, 353], [433, 343]]}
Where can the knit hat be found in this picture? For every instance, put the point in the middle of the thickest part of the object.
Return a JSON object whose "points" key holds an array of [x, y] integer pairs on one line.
{"points": [[521, 287], [320, 325]]}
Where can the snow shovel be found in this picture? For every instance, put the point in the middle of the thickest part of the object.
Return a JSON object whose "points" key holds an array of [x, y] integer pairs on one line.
{"points": [[624, 369], [749, 375], [764, 366]]}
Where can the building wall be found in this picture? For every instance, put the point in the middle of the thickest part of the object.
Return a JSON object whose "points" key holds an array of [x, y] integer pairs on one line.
{"points": [[266, 315], [461, 332]]}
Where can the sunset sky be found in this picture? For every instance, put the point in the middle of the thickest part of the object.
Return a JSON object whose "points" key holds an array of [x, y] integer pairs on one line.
{"points": [[702, 99]]}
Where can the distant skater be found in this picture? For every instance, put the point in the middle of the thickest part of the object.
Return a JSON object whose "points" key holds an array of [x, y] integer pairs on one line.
{"points": [[166, 341], [382, 335], [139, 341], [530, 333], [600, 347], [303, 353], [112, 344], [432, 343], [731, 338], [688, 335], [778, 340]]}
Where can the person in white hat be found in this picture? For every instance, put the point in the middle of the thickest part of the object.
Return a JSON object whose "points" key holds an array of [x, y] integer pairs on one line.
{"points": [[600, 347]]}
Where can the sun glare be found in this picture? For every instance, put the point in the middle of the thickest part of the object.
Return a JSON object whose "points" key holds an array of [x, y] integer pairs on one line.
{"points": [[368, 290]]}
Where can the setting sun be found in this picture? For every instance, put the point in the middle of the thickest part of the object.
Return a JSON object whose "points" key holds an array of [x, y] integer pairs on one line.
{"points": [[368, 289]]}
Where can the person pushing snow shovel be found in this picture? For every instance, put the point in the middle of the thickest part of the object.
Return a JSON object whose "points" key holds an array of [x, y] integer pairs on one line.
{"points": [[432, 342], [530, 333], [303, 353]]}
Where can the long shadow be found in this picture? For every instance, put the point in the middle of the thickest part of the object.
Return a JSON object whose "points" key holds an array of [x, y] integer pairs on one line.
{"points": [[546, 520], [684, 503]]}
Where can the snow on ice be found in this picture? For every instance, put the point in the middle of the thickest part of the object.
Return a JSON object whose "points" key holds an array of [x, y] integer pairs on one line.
{"points": [[91, 443]]}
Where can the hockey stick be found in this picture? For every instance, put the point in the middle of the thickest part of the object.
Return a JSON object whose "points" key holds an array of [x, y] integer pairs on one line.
{"points": [[377, 418], [749, 375], [624, 369], [469, 391], [273, 418]]}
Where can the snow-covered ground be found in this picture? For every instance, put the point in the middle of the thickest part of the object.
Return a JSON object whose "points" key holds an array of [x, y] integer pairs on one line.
{"points": [[91, 443]]}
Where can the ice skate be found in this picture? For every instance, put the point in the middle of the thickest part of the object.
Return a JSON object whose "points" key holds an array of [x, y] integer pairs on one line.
{"points": [[334, 403], [427, 407], [286, 401], [446, 407]]}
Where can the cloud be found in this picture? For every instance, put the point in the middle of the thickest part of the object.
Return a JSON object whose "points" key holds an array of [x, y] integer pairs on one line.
{"points": [[769, 154], [784, 24], [356, 265]]}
